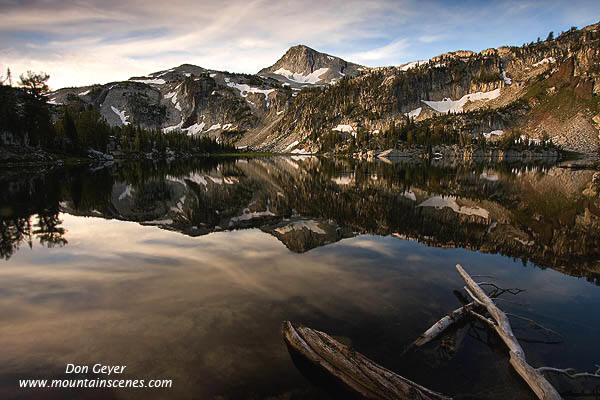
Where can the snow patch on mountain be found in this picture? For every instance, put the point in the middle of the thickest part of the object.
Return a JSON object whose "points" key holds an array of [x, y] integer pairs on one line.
{"points": [[173, 127], [547, 60], [121, 115], [245, 89], [311, 225], [439, 202], [413, 64], [312, 78], [197, 178], [344, 180], [247, 215], [489, 176], [414, 113], [488, 135], [454, 106], [150, 80], [409, 194], [195, 129], [295, 143], [126, 192], [345, 129]]}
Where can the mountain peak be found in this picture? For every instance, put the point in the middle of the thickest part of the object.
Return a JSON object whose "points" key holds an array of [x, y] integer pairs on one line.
{"points": [[303, 66], [300, 47], [170, 75]]}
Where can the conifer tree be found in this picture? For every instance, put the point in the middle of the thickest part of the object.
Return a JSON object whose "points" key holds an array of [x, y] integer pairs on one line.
{"points": [[35, 84]]}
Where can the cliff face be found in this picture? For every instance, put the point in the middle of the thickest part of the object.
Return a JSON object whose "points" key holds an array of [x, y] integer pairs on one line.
{"points": [[380, 97], [545, 89], [539, 83]]}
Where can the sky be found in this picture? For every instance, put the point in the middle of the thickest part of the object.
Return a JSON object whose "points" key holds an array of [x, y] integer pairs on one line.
{"points": [[81, 42]]}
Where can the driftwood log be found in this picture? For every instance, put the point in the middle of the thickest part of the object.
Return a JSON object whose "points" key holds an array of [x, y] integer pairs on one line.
{"points": [[536, 381], [352, 369], [443, 324]]}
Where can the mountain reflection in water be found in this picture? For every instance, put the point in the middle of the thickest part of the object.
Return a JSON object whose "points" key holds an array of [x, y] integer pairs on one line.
{"points": [[178, 271], [534, 213]]}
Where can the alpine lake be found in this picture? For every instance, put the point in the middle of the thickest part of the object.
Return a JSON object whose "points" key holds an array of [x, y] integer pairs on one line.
{"points": [[186, 271]]}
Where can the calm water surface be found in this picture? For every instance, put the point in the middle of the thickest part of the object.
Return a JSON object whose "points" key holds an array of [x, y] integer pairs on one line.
{"points": [[186, 272]]}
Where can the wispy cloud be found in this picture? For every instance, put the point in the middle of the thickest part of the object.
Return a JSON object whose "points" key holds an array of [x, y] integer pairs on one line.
{"points": [[431, 38], [387, 54], [82, 42]]}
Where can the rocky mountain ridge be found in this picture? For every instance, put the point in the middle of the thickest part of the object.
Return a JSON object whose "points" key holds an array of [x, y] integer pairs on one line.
{"points": [[544, 89]]}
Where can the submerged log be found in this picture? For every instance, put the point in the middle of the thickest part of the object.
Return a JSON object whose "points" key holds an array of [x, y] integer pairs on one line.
{"points": [[352, 369], [536, 381], [436, 329]]}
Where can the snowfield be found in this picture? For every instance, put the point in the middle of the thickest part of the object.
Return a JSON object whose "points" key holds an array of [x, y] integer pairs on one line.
{"points": [[245, 89], [455, 106], [311, 78], [195, 129]]}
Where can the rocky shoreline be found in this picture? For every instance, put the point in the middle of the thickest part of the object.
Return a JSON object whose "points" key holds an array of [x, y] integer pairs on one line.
{"points": [[457, 153], [16, 156]]}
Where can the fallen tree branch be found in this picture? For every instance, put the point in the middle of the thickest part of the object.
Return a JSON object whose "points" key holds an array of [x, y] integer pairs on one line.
{"points": [[352, 369], [436, 329], [475, 299], [510, 301], [570, 372], [487, 321], [500, 290], [536, 325], [536, 381]]}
